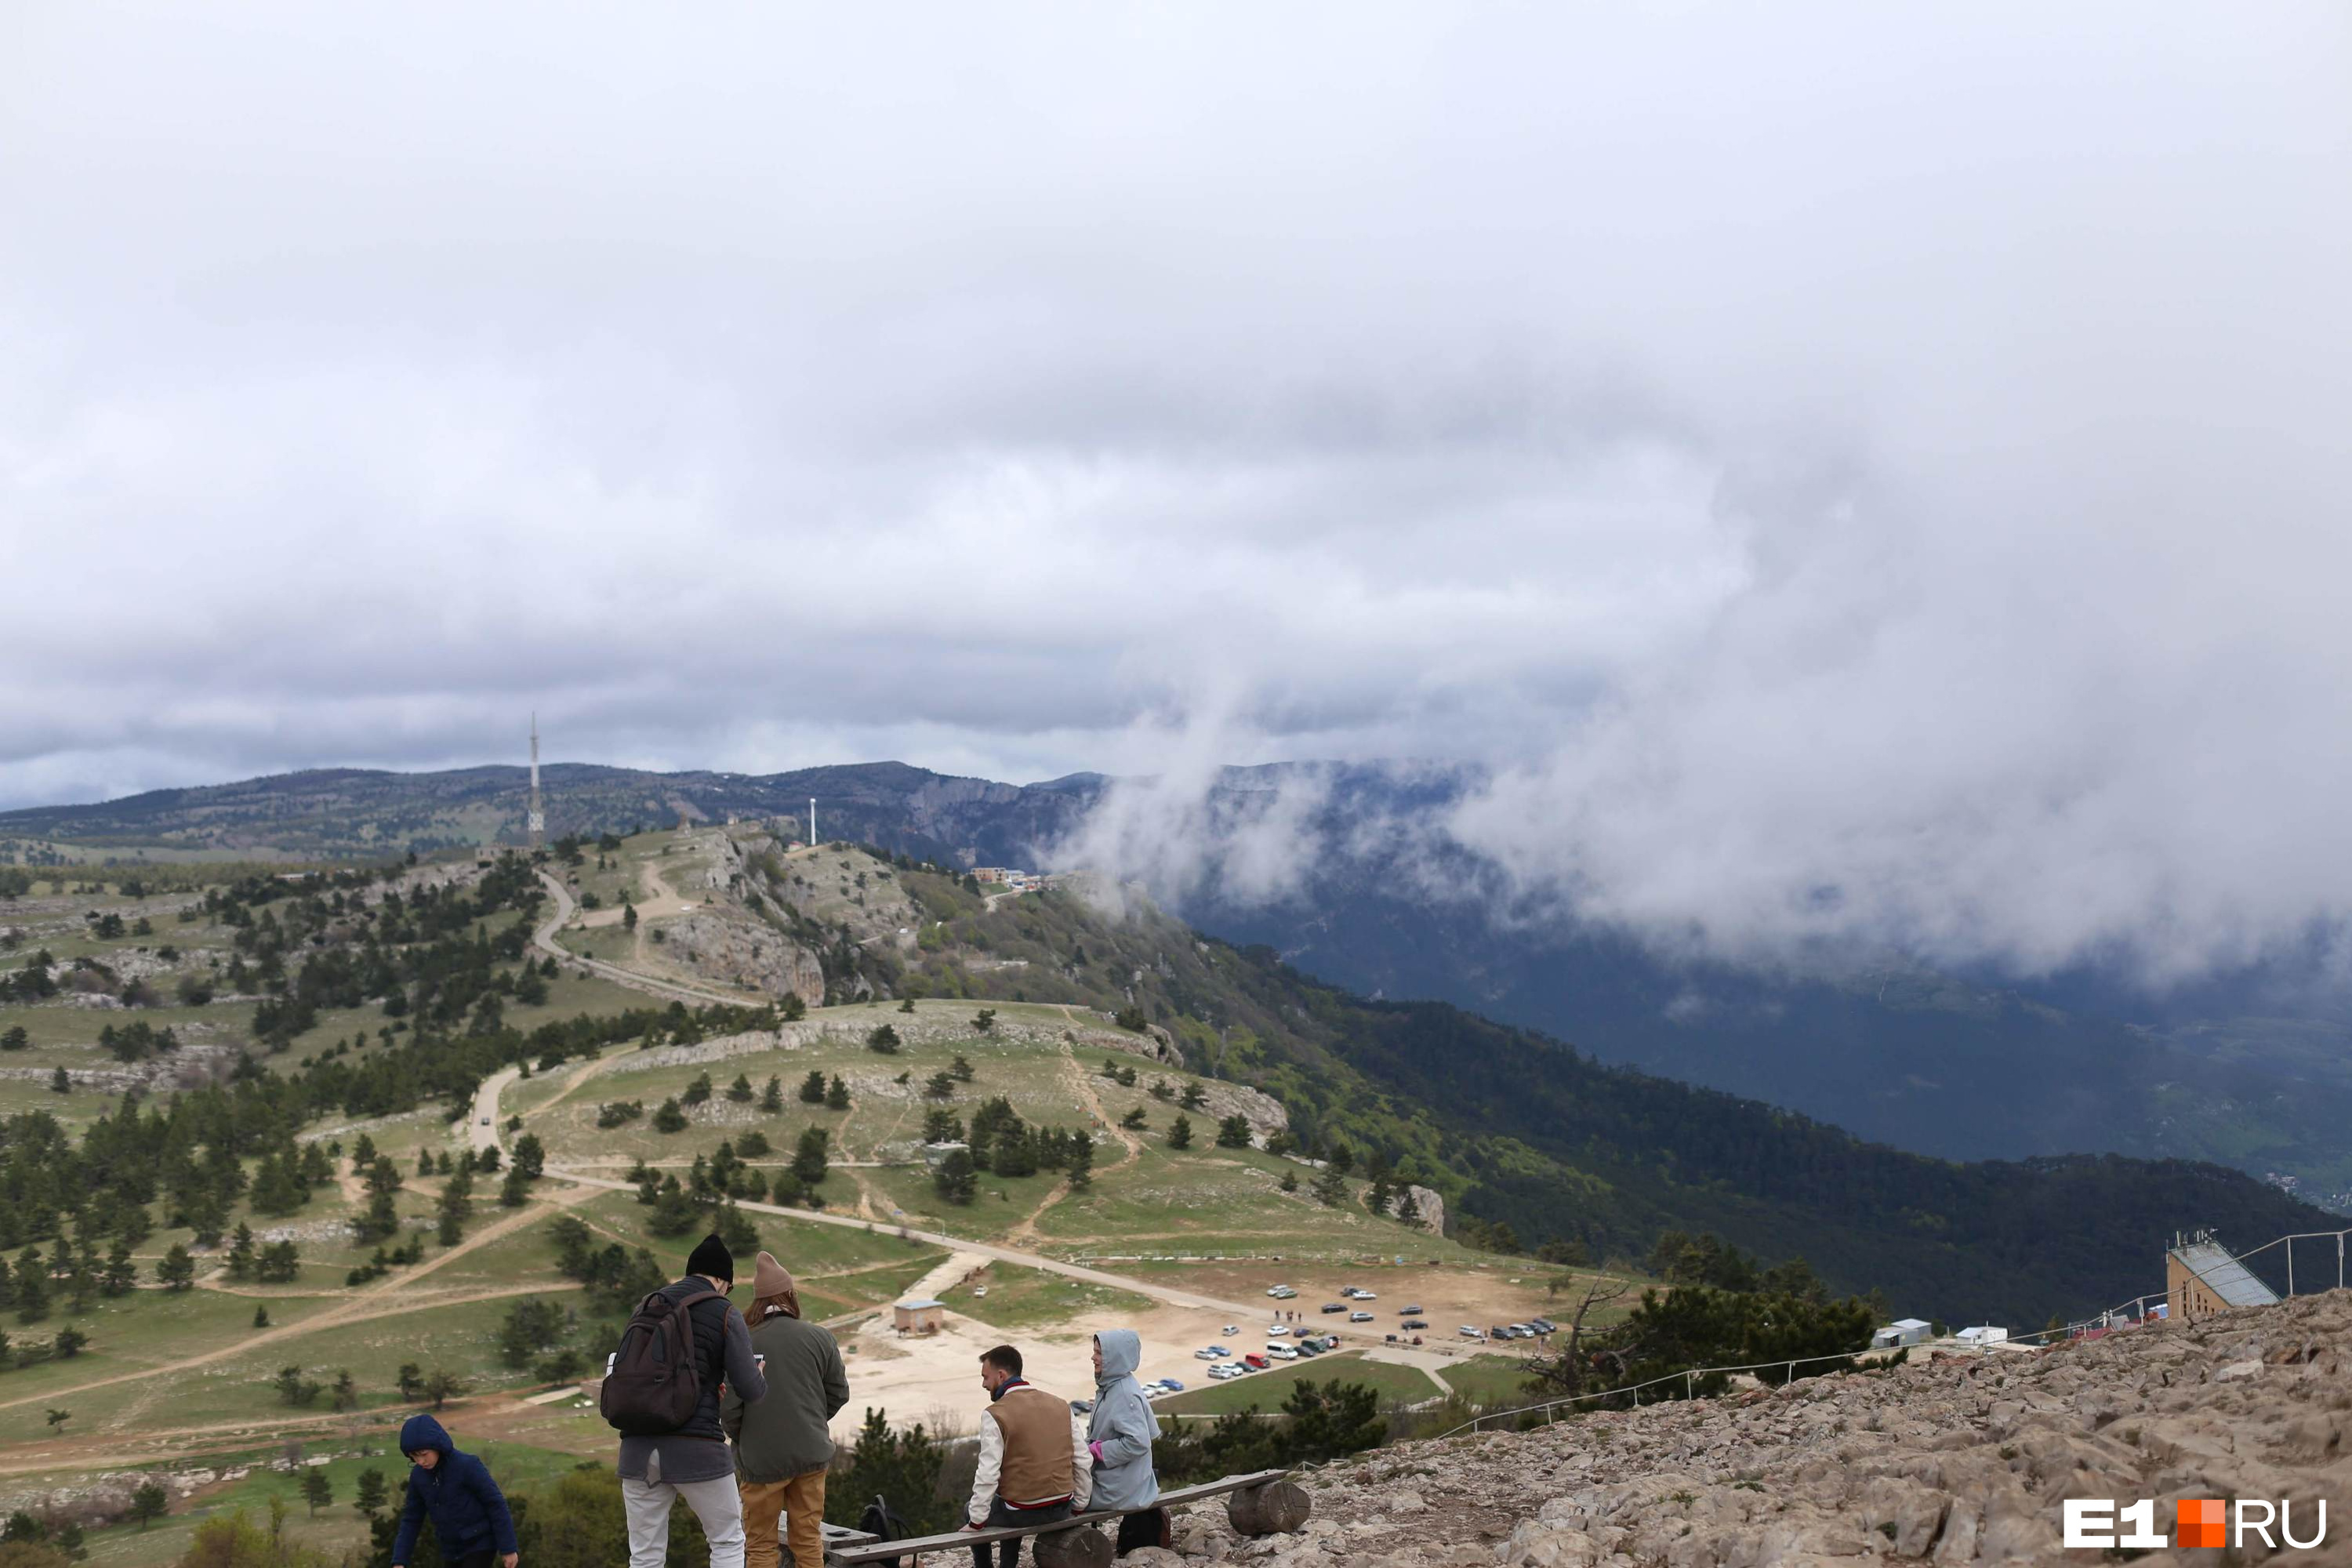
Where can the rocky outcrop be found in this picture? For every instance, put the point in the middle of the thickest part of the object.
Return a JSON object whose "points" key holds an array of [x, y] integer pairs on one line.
{"points": [[1951, 1460], [725, 945]]}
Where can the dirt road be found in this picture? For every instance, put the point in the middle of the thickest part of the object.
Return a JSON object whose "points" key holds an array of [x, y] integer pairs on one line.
{"points": [[544, 940]]}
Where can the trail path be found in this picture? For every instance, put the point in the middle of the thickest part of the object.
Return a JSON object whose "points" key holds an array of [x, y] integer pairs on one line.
{"points": [[544, 940], [979, 1249], [1025, 1234]]}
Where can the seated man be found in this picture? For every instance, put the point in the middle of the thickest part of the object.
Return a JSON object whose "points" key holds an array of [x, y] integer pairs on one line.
{"points": [[1033, 1464]]}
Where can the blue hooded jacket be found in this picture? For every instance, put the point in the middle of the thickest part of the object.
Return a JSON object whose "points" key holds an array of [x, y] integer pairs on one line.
{"points": [[468, 1512], [1123, 1426]]}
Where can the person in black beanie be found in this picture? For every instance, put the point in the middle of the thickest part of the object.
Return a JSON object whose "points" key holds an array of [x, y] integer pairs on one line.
{"points": [[694, 1462]]}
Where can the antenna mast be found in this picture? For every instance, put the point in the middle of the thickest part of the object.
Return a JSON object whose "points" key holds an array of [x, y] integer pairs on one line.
{"points": [[537, 819], [811, 822]]}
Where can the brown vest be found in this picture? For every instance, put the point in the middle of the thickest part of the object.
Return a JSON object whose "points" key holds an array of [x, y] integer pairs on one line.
{"points": [[1037, 1428]]}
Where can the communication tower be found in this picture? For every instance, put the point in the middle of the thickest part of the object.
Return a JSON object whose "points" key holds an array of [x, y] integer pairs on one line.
{"points": [[537, 819]]}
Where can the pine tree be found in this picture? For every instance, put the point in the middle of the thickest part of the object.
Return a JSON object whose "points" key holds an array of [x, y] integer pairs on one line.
{"points": [[121, 1276], [177, 1270], [837, 1095], [317, 1490], [771, 1097], [32, 1285], [956, 1177], [372, 1493], [813, 1087], [150, 1503], [241, 1253], [809, 1156], [1180, 1131]]}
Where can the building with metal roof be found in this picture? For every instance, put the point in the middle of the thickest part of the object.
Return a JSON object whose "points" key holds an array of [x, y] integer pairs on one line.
{"points": [[2202, 1277]]}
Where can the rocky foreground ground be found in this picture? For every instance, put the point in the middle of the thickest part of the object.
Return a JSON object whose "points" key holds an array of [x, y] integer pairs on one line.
{"points": [[1950, 1460]]}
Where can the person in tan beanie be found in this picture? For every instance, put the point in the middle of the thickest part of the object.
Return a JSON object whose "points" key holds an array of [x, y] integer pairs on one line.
{"points": [[783, 1444]]}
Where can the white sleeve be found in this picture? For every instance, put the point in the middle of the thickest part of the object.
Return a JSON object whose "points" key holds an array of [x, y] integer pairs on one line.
{"points": [[1082, 1465], [983, 1478]]}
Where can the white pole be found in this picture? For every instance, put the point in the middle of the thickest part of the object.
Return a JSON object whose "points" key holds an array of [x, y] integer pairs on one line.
{"points": [[811, 822]]}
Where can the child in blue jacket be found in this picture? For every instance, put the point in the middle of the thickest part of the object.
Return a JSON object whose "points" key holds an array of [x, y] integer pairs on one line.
{"points": [[468, 1512]]}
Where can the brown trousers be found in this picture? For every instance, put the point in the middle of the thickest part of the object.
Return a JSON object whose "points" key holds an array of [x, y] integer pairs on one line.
{"points": [[802, 1502]]}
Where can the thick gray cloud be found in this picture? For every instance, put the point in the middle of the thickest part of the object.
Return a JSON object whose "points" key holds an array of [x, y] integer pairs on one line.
{"points": [[1849, 469]]}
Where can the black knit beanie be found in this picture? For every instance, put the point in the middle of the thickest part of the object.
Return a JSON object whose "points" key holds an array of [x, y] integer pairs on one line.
{"points": [[712, 1258]]}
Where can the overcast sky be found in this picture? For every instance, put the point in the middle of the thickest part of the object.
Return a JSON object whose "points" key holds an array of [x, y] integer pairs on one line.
{"points": [[1868, 464]]}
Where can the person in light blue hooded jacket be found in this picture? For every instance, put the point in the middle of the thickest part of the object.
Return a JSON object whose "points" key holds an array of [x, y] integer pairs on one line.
{"points": [[1119, 1437]]}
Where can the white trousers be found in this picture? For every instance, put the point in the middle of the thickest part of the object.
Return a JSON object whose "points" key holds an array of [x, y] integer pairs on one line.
{"points": [[715, 1502]]}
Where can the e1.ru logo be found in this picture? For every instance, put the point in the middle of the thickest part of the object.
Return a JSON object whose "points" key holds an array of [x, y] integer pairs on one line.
{"points": [[2197, 1521]]}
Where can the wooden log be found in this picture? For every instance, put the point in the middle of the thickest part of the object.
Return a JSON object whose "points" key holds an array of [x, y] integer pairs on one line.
{"points": [[1269, 1507], [1081, 1547]]}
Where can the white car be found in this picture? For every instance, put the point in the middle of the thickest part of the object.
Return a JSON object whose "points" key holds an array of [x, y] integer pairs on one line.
{"points": [[1281, 1351], [1367, 1295], [1277, 1330], [1207, 1353], [1467, 1333], [1225, 1369], [1359, 1316], [1281, 1292], [1231, 1329]]}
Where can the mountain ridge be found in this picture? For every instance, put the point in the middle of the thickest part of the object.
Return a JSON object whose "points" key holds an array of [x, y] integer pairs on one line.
{"points": [[1895, 1050]]}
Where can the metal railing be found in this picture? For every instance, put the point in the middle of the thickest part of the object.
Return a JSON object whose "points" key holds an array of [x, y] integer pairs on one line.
{"points": [[2128, 1313], [2287, 1242]]}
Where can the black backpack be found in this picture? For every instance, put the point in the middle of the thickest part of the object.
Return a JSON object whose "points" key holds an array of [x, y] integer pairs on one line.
{"points": [[657, 1377], [883, 1522]]}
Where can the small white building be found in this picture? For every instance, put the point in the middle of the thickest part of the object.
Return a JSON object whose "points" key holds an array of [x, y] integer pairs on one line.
{"points": [[1901, 1331], [1983, 1334]]}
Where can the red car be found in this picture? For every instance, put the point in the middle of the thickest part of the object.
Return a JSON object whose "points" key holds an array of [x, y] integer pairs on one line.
{"points": [[1256, 1361]]}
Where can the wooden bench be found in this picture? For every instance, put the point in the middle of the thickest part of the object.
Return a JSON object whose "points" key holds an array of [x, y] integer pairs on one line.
{"points": [[1259, 1504]]}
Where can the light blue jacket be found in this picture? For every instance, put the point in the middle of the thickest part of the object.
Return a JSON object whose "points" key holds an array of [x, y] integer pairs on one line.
{"points": [[1122, 1426]]}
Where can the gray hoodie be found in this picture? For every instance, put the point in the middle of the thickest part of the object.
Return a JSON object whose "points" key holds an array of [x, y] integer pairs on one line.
{"points": [[1122, 1426]]}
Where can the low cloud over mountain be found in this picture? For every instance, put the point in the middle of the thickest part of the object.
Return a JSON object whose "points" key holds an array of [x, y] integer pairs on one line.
{"points": [[1836, 475]]}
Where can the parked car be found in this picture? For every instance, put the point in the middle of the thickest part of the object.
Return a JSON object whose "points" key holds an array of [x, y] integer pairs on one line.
{"points": [[1333, 1306], [1171, 1385], [1231, 1329], [1330, 1342], [1368, 1296], [1276, 1330], [1309, 1347], [1359, 1316], [1207, 1353], [1501, 1332], [1411, 1311], [1224, 1369], [1467, 1333], [1281, 1351], [1523, 1331], [1282, 1292], [1252, 1361], [1411, 1324], [1543, 1325]]}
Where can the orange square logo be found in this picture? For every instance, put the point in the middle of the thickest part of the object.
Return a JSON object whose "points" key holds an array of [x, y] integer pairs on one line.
{"points": [[2198, 1522]]}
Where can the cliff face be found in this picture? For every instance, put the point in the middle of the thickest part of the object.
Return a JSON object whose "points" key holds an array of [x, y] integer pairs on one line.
{"points": [[1953, 1460]]}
